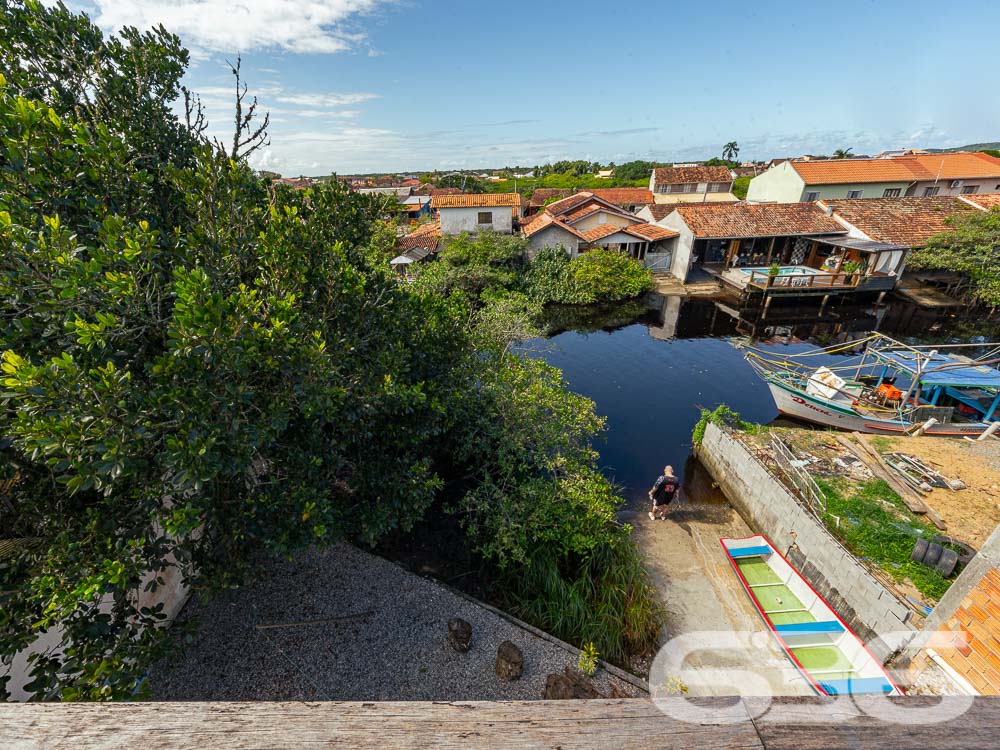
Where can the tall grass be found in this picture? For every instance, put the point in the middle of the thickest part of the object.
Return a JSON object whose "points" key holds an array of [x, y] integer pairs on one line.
{"points": [[605, 599]]}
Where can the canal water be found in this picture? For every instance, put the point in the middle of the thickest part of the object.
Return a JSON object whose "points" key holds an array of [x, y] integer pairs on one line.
{"points": [[651, 376]]}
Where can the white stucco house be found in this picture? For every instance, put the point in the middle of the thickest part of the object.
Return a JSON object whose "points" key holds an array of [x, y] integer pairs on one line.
{"points": [[472, 213], [911, 175]]}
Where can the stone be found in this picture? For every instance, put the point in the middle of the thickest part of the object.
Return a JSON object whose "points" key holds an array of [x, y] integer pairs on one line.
{"points": [[459, 634], [583, 686], [558, 687], [510, 662]]}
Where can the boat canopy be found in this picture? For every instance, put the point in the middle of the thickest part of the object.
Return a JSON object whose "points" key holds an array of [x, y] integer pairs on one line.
{"points": [[937, 369]]}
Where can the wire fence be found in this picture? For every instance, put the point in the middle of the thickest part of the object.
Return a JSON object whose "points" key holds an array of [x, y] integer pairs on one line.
{"points": [[800, 479]]}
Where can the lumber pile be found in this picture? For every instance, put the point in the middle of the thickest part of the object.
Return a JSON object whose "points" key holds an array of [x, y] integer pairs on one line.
{"points": [[858, 445]]}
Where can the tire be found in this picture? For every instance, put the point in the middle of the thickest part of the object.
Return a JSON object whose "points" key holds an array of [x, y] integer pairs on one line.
{"points": [[965, 552], [919, 550], [946, 565], [933, 554]]}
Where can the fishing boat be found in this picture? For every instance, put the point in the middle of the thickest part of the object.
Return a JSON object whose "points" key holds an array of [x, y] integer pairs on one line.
{"points": [[878, 385], [820, 645]]}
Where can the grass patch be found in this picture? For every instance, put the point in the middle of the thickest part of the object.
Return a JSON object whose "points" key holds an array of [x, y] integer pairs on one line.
{"points": [[875, 524], [723, 416]]}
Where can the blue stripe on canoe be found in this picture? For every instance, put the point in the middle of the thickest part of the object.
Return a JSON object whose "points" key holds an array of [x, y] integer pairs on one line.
{"points": [[855, 687], [750, 551], [810, 628]]}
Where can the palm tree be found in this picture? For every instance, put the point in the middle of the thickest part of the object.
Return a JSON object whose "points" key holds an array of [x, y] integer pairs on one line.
{"points": [[730, 151], [842, 153]]}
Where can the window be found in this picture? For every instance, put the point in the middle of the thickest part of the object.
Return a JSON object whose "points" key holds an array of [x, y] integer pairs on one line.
{"points": [[929, 191], [812, 195], [854, 193], [485, 217], [970, 189], [891, 193]]}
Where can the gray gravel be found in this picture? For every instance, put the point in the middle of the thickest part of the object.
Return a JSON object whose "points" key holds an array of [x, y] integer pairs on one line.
{"points": [[397, 652]]}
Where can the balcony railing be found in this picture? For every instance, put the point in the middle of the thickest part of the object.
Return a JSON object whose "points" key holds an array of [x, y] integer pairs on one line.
{"points": [[792, 281]]}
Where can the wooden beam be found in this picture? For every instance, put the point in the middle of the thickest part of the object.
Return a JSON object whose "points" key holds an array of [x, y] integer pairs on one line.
{"points": [[525, 725], [778, 724]]}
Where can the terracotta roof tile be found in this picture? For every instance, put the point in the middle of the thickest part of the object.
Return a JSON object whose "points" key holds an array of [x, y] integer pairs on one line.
{"points": [[544, 221], [756, 219], [682, 175], [916, 168], [568, 203], [661, 210], [900, 221], [476, 200], [624, 196], [541, 195], [650, 232], [984, 200], [585, 210], [601, 231]]}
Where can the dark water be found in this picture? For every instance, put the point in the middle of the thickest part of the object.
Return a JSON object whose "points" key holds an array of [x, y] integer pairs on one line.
{"points": [[650, 378]]}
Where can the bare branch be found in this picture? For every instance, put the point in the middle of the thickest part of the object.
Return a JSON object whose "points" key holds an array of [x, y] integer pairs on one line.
{"points": [[247, 136]]}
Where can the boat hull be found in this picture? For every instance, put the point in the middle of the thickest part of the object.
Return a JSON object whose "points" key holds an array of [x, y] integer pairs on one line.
{"points": [[799, 405], [813, 636]]}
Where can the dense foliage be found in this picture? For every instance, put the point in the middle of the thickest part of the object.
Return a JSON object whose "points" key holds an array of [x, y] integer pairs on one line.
{"points": [[489, 264], [972, 248], [199, 371]]}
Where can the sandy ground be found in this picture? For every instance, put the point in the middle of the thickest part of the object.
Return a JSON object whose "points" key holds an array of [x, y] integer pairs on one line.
{"points": [[970, 514], [701, 593]]}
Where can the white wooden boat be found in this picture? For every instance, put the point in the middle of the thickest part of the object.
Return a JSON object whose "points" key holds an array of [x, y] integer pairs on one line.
{"points": [[820, 644], [889, 388]]}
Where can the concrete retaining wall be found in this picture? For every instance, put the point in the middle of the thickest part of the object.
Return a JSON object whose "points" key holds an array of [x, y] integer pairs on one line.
{"points": [[770, 509]]}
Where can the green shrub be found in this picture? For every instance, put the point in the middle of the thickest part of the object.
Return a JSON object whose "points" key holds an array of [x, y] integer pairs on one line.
{"points": [[722, 416], [607, 276]]}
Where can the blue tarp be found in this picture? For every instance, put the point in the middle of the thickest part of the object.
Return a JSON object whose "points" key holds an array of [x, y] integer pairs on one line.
{"points": [[955, 372]]}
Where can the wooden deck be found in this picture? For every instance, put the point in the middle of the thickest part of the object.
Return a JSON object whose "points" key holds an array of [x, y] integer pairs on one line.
{"points": [[785, 724]]}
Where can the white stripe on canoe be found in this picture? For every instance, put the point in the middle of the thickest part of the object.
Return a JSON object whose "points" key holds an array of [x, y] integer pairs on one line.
{"points": [[758, 585]]}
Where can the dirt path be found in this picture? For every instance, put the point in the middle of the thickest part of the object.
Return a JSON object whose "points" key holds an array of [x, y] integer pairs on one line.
{"points": [[701, 593]]}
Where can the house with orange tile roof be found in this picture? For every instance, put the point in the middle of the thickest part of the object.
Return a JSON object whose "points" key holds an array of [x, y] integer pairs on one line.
{"points": [[691, 183], [583, 221], [723, 237], [913, 174], [477, 212]]}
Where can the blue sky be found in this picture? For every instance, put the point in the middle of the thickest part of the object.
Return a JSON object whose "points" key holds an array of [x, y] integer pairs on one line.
{"points": [[392, 85]]}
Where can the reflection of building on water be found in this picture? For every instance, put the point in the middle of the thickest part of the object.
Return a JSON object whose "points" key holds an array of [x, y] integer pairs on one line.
{"points": [[678, 317]]}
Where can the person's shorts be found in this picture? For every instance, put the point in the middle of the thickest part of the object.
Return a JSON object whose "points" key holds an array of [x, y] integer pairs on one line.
{"points": [[661, 501]]}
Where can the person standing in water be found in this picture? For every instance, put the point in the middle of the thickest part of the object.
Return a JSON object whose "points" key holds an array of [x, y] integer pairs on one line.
{"points": [[663, 492]]}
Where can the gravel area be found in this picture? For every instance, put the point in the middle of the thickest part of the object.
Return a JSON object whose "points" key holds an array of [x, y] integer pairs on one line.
{"points": [[392, 647]]}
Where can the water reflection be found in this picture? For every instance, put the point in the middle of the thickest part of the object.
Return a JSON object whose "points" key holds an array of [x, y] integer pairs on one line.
{"points": [[651, 367]]}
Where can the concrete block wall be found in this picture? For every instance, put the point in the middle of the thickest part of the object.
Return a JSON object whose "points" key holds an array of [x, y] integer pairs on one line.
{"points": [[770, 509]]}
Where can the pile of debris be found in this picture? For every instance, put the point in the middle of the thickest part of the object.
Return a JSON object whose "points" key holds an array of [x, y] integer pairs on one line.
{"points": [[919, 475]]}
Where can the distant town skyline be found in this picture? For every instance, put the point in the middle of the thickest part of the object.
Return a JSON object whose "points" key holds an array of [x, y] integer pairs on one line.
{"points": [[363, 86]]}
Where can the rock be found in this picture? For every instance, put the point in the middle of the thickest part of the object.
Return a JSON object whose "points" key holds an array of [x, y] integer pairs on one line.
{"points": [[558, 687], [583, 686], [510, 662], [459, 634]]}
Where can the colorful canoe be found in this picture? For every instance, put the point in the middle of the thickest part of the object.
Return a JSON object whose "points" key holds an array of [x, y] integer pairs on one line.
{"points": [[820, 644]]}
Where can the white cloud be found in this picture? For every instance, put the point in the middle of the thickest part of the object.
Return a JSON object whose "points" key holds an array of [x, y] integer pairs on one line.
{"points": [[315, 26], [324, 100]]}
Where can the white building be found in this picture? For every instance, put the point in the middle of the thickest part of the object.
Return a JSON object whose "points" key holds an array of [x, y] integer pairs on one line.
{"points": [[477, 212]]}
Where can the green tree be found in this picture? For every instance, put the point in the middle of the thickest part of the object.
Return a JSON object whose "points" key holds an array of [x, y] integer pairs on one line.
{"points": [[971, 247], [842, 153], [730, 151], [195, 371]]}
